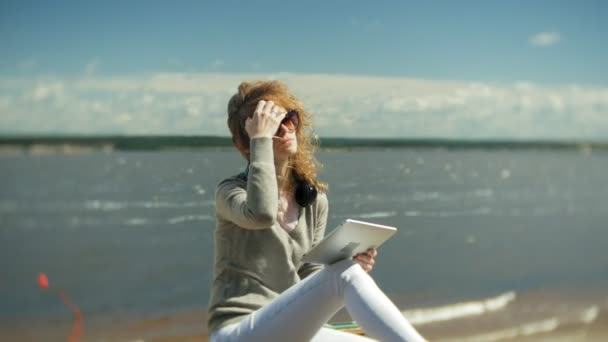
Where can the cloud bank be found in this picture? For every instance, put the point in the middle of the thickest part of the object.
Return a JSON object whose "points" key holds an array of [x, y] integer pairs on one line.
{"points": [[349, 106]]}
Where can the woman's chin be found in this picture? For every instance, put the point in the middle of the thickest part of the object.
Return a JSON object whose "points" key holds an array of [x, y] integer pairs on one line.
{"points": [[285, 151], [285, 148]]}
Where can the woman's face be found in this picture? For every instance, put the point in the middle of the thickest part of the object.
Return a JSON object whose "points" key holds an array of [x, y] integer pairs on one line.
{"points": [[285, 142]]}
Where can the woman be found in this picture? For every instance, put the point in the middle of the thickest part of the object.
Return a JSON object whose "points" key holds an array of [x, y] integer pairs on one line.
{"points": [[268, 217]]}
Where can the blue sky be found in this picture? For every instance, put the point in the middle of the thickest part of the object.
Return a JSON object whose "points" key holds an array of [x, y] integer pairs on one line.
{"points": [[452, 69]]}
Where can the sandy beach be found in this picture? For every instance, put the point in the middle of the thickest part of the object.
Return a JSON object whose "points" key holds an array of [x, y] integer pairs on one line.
{"points": [[190, 327], [596, 332]]}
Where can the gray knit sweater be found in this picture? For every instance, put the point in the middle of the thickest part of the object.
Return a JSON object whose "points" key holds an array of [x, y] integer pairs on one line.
{"points": [[255, 258]]}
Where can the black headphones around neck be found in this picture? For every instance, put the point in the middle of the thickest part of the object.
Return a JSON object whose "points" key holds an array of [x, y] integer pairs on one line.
{"points": [[306, 193]]}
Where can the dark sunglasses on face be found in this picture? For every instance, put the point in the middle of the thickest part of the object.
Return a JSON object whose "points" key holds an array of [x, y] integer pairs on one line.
{"points": [[290, 121]]}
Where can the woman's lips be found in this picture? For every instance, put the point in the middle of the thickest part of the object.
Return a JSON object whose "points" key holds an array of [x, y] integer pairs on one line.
{"points": [[283, 142]]}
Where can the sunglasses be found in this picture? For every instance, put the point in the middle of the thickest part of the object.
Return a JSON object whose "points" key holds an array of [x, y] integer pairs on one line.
{"points": [[290, 121]]}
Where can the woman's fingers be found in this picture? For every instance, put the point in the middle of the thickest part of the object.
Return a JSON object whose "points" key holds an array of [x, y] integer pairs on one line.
{"points": [[265, 120], [260, 107], [268, 107], [366, 259]]}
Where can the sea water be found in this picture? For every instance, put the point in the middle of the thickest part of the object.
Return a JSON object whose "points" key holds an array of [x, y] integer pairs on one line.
{"points": [[130, 234]]}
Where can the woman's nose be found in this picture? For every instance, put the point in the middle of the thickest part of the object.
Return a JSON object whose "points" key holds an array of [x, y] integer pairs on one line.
{"points": [[281, 131]]}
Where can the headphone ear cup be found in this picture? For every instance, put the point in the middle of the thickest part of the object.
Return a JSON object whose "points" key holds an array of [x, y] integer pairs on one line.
{"points": [[305, 194]]}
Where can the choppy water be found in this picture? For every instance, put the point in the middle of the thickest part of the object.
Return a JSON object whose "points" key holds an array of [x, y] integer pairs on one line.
{"points": [[130, 234]]}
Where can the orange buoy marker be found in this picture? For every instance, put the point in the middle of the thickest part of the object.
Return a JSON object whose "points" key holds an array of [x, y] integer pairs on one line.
{"points": [[76, 333], [43, 281]]}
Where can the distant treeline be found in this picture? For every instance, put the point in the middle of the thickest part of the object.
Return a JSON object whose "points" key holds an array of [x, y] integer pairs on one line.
{"points": [[164, 142]]}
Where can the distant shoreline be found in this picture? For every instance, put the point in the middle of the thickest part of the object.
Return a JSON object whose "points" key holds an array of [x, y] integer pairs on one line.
{"points": [[165, 142]]}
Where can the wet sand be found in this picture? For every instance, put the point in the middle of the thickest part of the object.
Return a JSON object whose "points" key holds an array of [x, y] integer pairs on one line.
{"points": [[190, 327], [541, 315]]}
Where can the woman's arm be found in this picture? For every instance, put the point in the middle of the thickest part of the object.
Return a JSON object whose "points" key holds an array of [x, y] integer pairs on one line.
{"points": [[256, 206]]}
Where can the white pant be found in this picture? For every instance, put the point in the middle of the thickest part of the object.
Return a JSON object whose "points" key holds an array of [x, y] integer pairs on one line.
{"points": [[299, 313]]}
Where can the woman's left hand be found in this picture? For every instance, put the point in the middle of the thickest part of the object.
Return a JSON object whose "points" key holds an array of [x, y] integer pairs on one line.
{"points": [[366, 260]]}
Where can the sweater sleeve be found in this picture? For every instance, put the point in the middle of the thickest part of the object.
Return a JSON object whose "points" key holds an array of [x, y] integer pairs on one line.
{"points": [[256, 206], [308, 268]]}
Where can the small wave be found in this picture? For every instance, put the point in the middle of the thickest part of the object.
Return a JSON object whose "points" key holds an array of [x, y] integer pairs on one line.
{"points": [[180, 219], [116, 205], [136, 221], [200, 190], [481, 211], [538, 327], [426, 196], [347, 185], [76, 221], [104, 205], [590, 315], [378, 214], [483, 193], [459, 310]]}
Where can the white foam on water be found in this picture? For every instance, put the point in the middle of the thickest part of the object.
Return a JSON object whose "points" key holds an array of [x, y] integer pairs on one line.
{"points": [[428, 196], [528, 329], [104, 205], [200, 190], [76, 221], [136, 221], [459, 310], [589, 315], [481, 211], [378, 214], [181, 219], [117, 205], [483, 193]]}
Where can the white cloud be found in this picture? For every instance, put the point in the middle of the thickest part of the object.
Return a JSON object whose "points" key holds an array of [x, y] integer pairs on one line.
{"points": [[5, 103], [181, 103], [46, 90], [545, 39]]}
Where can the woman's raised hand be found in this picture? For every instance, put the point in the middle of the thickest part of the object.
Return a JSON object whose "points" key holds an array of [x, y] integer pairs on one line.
{"points": [[265, 121]]}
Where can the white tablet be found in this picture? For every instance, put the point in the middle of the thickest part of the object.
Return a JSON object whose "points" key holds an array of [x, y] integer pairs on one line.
{"points": [[348, 239]]}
